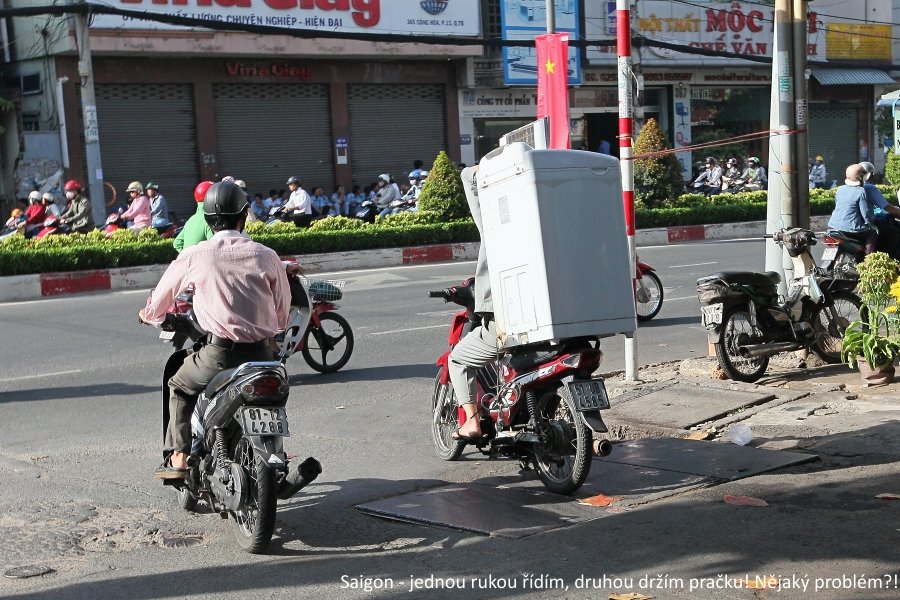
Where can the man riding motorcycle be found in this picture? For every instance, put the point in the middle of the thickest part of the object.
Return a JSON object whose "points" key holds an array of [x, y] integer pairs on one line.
{"points": [[479, 347], [854, 213], [241, 320], [78, 215]]}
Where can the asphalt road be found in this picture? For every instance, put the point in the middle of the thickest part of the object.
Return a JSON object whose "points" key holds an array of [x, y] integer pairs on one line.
{"points": [[80, 436]]}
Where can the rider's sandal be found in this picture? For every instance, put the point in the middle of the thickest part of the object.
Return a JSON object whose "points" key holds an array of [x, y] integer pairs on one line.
{"points": [[167, 471]]}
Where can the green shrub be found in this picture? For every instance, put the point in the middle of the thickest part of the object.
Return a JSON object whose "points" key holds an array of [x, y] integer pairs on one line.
{"points": [[442, 191], [419, 217], [892, 168], [336, 224], [657, 180]]}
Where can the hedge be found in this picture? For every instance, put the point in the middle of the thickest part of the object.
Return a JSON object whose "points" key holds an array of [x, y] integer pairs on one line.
{"points": [[93, 251]]}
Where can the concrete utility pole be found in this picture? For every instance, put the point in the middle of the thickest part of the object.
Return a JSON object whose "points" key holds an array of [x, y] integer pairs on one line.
{"points": [[801, 138], [781, 208], [94, 181], [626, 152]]}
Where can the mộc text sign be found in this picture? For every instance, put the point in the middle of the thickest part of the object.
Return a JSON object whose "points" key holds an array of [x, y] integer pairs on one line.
{"points": [[407, 17]]}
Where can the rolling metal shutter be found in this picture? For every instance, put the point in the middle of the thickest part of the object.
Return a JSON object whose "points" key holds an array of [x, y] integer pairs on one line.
{"points": [[267, 133], [147, 133], [834, 133], [393, 125]]}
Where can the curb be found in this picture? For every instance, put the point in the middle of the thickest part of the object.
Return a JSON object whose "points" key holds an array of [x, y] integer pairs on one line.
{"points": [[47, 285]]}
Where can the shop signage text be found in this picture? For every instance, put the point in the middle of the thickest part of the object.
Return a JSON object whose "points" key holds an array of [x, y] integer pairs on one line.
{"points": [[365, 13], [239, 69]]}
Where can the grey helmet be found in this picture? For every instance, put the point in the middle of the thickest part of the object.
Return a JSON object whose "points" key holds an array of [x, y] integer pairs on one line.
{"points": [[224, 198], [293, 179]]}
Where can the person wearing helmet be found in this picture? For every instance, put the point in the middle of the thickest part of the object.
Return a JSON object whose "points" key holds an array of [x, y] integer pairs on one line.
{"points": [[754, 176], [138, 211], [818, 176], [77, 216], [854, 214], [195, 230], [886, 215], [709, 181], [240, 329], [34, 215], [299, 204], [731, 178], [49, 202], [386, 193], [159, 206]]}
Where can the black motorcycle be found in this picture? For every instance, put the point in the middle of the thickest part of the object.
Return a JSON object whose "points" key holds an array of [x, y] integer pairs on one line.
{"points": [[747, 320], [237, 463]]}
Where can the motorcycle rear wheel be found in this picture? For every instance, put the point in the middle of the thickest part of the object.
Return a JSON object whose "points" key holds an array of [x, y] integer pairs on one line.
{"points": [[254, 522], [565, 461], [738, 330], [186, 500], [830, 334], [326, 342], [654, 289], [445, 421]]}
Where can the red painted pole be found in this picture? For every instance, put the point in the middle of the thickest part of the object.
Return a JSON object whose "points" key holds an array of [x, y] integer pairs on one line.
{"points": [[626, 152]]}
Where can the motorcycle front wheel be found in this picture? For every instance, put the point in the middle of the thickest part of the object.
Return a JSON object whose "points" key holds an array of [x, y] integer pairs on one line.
{"points": [[564, 460], [738, 330], [254, 522], [327, 348], [445, 421], [648, 296], [829, 323]]}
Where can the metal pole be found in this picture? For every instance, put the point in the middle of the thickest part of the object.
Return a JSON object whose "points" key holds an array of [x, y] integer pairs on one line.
{"points": [[551, 17], [89, 111], [801, 117], [781, 209], [626, 152]]}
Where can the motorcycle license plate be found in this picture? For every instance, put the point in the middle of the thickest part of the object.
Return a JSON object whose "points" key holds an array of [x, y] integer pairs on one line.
{"points": [[166, 335], [589, 395], [711, 314], [265, 421], [830, 253]]}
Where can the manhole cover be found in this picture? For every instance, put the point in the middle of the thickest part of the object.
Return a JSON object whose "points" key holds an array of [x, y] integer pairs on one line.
{"points": [[27, 571], [182, 541]]}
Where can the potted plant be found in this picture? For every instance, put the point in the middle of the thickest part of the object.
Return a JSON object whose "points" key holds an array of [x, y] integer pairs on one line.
{"points": [[871, 342]]}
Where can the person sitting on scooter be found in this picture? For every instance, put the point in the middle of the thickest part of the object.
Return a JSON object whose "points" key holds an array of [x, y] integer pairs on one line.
{"points": [[754, 176], [34, 215], [479, 347], [196, 229], [159, 207], [854, 213], [299, 203], [49, 203], [387, 193], [77, 216], [710, 180], [138, 208], [731, 178], [885, 215], [240, 329]]}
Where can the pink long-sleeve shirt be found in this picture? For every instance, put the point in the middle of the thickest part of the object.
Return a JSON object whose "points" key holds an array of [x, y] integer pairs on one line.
{"points": [[139, 212], [241, 291]]}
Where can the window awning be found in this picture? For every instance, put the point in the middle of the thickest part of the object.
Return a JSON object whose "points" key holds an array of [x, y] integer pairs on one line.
{"points": [[851, 76]]}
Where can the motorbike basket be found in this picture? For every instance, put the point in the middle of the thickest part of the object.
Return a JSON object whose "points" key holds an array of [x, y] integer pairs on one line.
{"points": [[325, 290]]}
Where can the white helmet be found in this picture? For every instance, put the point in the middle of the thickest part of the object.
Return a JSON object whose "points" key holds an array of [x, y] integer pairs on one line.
{"points": [[385, 177], [241, 184], [34, 196]]}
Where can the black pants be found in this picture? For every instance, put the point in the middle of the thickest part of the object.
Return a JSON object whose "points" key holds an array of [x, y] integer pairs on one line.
{"points": [[198, 370]]}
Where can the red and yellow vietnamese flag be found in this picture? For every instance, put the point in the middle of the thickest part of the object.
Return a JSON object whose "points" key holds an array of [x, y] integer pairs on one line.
{"points": [[553, 85]]}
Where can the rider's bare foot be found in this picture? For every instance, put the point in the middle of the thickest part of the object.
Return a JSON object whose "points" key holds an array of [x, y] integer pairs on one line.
{"points": [[178, 460], [470, 430]]}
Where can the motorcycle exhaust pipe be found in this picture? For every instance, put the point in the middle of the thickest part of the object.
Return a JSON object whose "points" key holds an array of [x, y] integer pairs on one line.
{"points": [[602, 447], [758, 350], [299, 478]]}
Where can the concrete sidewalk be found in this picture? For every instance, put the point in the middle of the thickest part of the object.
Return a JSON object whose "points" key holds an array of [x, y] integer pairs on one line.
{"points": [[34, 287]]}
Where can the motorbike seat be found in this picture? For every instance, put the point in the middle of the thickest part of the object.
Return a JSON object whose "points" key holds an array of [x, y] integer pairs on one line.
{"points": [[757, 280], [522, 360], [847, 241], [219, 381]]}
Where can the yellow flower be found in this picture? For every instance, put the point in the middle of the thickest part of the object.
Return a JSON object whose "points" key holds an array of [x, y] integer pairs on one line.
{"points": [[891, 309]]}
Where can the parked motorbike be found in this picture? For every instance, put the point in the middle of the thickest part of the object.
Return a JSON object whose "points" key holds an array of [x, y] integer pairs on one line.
{"points": [[237, 463], [841, 255], [648, 292], [747, 321], [538, 404], [315, 329]]}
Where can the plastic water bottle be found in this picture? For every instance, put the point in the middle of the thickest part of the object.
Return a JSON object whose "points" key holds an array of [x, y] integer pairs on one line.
{"points": [[740, 434]]}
